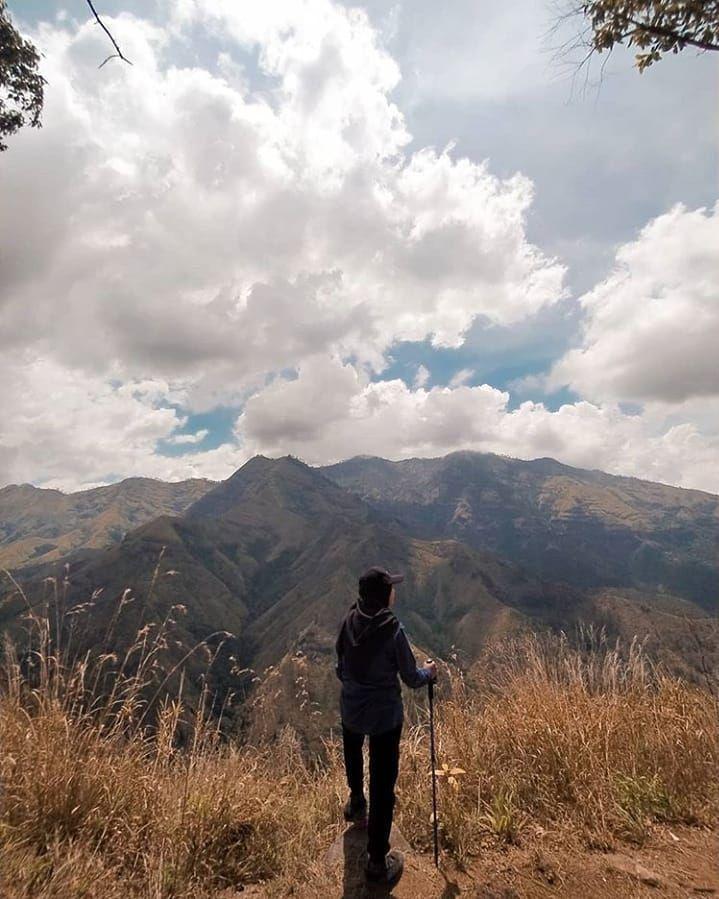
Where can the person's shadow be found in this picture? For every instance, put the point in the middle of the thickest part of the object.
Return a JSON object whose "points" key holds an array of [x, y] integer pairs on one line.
{"points": [[354, 884]]}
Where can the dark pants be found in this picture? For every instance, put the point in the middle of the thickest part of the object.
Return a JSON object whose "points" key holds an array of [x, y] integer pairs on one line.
{"points": [[383, 768]]}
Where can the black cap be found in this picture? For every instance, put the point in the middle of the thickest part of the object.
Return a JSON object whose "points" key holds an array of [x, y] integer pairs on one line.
{"points": [[375, 586]]}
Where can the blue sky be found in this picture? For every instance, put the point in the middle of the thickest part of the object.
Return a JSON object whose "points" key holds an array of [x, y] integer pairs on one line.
{"points": [[289, 226]]}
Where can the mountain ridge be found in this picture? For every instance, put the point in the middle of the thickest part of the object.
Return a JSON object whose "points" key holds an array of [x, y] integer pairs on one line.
{"points": [[585, 527], [274, 552], [39, 525], [549, 460], [277, 549]]}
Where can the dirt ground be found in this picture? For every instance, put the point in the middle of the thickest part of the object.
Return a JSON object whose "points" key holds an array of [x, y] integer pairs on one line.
{"points": [[674, 863]]}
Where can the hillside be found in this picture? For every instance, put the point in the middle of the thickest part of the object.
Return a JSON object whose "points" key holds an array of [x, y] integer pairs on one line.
{"points": [[275, 550], [587, 528], [272, 555], [38, 525]]}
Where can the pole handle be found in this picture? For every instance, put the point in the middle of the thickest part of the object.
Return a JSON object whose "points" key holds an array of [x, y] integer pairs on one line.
{"points": [[430, 683]]}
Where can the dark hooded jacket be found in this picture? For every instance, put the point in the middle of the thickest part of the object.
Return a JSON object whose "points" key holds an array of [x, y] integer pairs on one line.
{"points": [[372, 649]]}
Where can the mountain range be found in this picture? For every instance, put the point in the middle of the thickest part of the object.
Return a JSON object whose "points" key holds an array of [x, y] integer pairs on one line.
{"points": [[491, 547], [39, 525], [587, 528]]}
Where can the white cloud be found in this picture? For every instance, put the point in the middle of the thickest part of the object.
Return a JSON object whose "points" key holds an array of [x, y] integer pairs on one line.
{"points": [[177, 221], [387, 418], [461, 377], [184, 439], [182, 234], [68, 430], [651, 329], [63, 429], [333, 79], [422, 376]]}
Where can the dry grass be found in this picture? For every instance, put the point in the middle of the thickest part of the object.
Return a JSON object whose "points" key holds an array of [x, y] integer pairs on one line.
{"points": [[557, 738], [108, 788], [94, 802]]}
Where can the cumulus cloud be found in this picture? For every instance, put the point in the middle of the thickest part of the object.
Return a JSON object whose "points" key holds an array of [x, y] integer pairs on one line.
{"points": [[184, 439], [421, 376], [259, 231], [65, 429], [651, 328], [180, 221], [390, 419], [461, 377]]}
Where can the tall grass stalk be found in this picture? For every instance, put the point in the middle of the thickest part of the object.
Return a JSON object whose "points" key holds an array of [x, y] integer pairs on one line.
{"points": [[104, 794], [595, 740]]}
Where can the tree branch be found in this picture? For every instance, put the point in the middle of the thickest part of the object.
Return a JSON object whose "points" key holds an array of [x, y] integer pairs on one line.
{"points": [[102, 25], [659, 31]]}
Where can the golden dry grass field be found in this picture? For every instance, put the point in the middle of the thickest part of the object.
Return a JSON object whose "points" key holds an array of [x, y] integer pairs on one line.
{"points": [[98, 799]]}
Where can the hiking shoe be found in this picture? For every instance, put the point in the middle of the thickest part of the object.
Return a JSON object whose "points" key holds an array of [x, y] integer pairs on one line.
{"points": [[356, 810], [387, 872]]}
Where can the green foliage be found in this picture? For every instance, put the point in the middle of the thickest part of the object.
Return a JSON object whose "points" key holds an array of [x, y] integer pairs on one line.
{"points": [[654, 27], [21, 85], [502, 816], [642, 799]]}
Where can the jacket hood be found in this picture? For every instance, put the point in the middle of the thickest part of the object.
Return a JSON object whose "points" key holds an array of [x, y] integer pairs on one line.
{"points": [[359, 625]]}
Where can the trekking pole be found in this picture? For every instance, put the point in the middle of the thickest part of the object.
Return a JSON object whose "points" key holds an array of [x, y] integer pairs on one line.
{"points": [[430, 691]]}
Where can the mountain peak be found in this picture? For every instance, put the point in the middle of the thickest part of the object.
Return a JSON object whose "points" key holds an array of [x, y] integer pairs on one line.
{"points": [[268, 463], [285, 483], [261, 469]]}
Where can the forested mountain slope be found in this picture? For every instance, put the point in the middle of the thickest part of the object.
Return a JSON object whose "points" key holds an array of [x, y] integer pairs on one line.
{"points": [[588, 528], [39, 525], [267, 562]]}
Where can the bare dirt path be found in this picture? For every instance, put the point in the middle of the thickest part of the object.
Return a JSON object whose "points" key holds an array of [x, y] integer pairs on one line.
{"points": [[346, 858], [674, 863]]}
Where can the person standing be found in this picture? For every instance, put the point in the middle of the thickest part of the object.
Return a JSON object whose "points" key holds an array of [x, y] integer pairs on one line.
{"points": [[372, 650]]}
